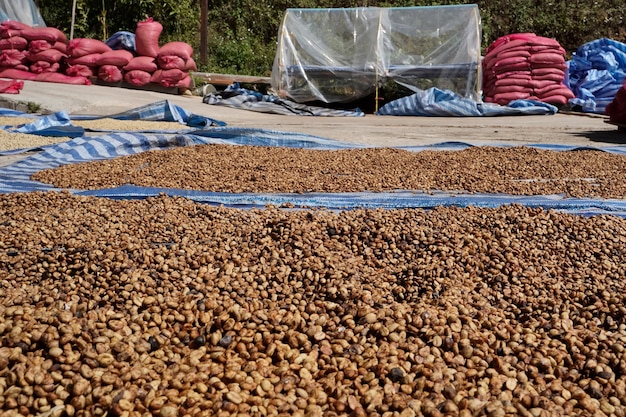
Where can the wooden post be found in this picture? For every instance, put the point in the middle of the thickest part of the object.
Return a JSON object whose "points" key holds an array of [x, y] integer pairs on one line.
{"points": [[203, 31]]}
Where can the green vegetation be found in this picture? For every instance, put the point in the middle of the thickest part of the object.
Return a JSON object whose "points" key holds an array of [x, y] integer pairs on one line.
{"points": [[242, 33]]}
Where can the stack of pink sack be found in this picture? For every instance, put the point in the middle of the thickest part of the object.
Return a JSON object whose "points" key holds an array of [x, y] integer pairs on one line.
{"points": [[525, 66], [43, 54], [33, 53], [166, 65], [91, 57]]}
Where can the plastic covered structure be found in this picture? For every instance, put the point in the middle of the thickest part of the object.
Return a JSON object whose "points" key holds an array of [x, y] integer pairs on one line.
{"points": [[24, 11], [344, 54]]}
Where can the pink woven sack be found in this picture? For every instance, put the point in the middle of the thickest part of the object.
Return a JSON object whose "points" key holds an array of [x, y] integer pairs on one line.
{"points": [[506, 98], [49, 55], [38, 45], [56, 77], [14, 42], [142, 63], [167, 78], [138, 78], [12, 58], [181, 49], [119, 58], [184, 83], [10, 28], [170, 62], [44, 66], [11, 86], [47, 34], [547, 58], [80, 70], [110, 73], [90, 60], [83, 46], [147, 37], [190, 65], [17, 74]]}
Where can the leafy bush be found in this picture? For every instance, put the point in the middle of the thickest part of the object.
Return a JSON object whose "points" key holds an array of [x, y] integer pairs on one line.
{"points": [[242, 33]]}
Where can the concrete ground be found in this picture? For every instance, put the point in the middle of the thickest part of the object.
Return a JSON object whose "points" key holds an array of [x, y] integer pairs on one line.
{"points": [[562, 128]]}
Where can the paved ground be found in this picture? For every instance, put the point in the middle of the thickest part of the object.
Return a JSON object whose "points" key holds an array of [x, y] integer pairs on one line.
{"points": [[571, 129]]}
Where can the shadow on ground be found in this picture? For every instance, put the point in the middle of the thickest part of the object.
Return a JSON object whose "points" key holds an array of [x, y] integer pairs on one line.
{"points": [[606, 136]]}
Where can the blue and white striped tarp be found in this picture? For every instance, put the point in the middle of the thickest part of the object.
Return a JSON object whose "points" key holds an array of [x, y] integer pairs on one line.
{"points": [[16, 177], [60, 124], [241, 98], [595, 73], [436, 102]]}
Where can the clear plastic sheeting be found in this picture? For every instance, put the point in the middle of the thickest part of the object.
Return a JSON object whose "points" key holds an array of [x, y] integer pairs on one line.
{"points": [[342, 55], [24, 11]]}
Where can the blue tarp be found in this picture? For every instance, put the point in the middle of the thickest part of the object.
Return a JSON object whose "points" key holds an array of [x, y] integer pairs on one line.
{"points": [[240, 98], [122, 40], [436, 102], [595, 74], [16, 177], [59, 124], [431, 102]]}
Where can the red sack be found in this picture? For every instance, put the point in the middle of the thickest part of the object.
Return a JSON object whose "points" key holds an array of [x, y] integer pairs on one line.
{"points": [[616, 109], [51, 35], [110, 73], [147, 37], [82, 46], [80, 70], [11, 86], [547, 48], [181, 49], [514, 78], [509, 67], [56, 77], [11, 28], [499, 89], [60, 46], [538, 72], [38, 45], [138, 78], [543, 41], [190, 65], [167, 78], [506, 98], [547, 58], [539, 84], [49, 55], [511, 61], [17, 74], [21, 67], [556, 65], [184, 83], [14, 25], [12, 58], [43, 66], [503, 40], [14, 42], [492, 59], [556, 99], [118, 57], [90, 60], [560, 90], [170, 62], [142, 63]]}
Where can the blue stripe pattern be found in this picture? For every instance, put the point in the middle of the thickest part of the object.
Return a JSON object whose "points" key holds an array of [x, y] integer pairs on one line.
{"points": [[241, 98], [16, 177], [446, 103], [60, 124]]}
